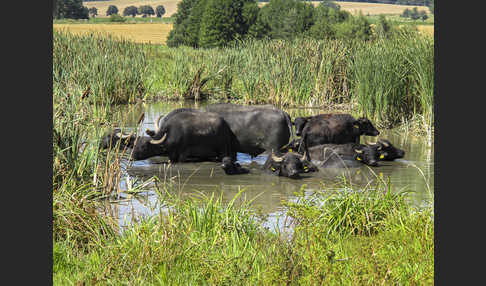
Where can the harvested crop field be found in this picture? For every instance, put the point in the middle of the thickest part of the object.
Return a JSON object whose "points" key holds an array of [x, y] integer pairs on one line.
{"points": [[377, 8], [155, 33], [169, 5], [371, 8]]}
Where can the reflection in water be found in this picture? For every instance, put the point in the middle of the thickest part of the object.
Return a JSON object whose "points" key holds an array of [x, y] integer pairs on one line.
{"points": [[413, 173]]}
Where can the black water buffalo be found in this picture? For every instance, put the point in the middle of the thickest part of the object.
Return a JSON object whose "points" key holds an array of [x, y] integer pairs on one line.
{"points": [[189, 134], [344, 155], [333, 129], [231, 167], [257, 128], [290, 165], [387, 151], [163, 118], [111, 138]]}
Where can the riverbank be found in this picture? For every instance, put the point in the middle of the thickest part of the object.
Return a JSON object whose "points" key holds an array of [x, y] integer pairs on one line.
{"points": [[350, 238]]}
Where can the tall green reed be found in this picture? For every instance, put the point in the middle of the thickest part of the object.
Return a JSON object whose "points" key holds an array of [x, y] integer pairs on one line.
{"points": [[114, 69], [388, 79]]}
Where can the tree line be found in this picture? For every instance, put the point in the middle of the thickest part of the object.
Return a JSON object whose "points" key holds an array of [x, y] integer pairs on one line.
{"points": [[74, 9], [216, 23]]}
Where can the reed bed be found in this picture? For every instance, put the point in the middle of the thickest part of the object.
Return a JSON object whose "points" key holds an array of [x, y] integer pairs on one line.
{"points": [[388, 79], [113, 68]]}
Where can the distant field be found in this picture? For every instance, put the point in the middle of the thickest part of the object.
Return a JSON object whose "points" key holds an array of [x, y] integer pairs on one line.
{"points": [[155, 33], [376, 8], [171, 6], [371, 8]]}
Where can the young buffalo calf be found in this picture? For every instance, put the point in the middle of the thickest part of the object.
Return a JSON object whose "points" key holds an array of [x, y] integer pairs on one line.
{"points": [[333, 129]]}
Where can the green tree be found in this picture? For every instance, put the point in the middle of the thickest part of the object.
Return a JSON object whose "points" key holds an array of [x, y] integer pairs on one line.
{"points": [[112, 9], [160, 11], [93, 11], [146, 10], [72, 9], [130, 11], [179, 35], [423, 15], [356, 27], [414, 15], [224, 21], [405, 13], [325, 18], [286, 18]]}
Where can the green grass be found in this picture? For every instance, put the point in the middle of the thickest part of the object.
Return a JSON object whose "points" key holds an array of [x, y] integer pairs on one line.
{"points": [[113, 69], [365, 237]]}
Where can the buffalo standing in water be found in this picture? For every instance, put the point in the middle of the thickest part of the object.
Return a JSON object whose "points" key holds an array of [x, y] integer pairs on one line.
{"points": [[189, 134], [332, 129], [257, 129]]}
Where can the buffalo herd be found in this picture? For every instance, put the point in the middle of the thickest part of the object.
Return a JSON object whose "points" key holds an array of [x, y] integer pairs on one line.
{"points": [[218, 131]]}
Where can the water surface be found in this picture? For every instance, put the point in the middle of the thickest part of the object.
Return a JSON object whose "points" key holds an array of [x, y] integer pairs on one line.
{"points": [[412, 173]]}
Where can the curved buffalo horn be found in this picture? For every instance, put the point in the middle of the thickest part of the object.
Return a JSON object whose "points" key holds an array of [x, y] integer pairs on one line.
{"points": [[358, 151], [276, 158], [384, 143], [156, 123], [123, 136], [372, 143], [160, 141], [305, 156]]}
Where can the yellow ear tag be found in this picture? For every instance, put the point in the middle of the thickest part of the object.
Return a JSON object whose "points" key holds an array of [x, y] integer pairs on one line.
{"points": [[382, 156], [290, 150], [356, 126], [358, 158], [273, 169]]}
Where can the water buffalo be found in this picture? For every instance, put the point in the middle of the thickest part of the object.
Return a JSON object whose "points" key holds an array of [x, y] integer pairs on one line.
{"points": [[333, 129], [344, 155], [163, 118], [111, 138], [189, 134], [257, 128], [230, 167], [290, 165], [387, 151]]}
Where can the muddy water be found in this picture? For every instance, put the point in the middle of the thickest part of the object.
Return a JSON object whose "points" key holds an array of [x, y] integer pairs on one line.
{"points": [[413, 173]]}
